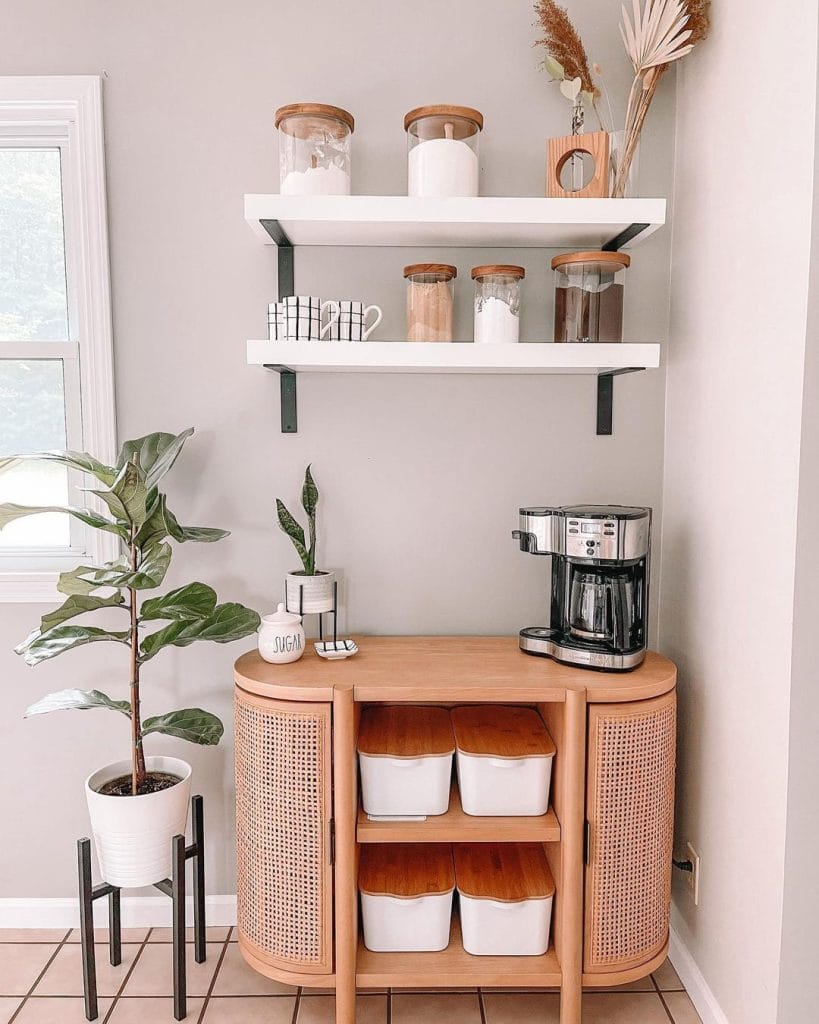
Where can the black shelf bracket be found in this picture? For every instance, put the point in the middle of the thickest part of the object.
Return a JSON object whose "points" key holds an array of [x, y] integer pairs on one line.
{"points": [[288, 391], [605, 397]]}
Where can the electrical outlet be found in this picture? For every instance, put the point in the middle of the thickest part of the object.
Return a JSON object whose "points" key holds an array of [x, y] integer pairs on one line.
{"points": [[692, 878]]}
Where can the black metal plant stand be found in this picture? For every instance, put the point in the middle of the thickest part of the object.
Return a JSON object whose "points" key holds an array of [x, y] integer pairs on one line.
{"points": [[173, 887], [330, 611]]}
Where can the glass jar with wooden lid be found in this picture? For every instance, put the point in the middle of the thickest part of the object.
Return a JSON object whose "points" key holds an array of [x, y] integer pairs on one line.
{"points": [[589, 296], [314, 149], [497, 302], [443, 150], [430, 295]]}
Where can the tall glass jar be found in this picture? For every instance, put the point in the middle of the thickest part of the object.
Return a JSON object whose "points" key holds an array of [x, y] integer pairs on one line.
{"points": [[497, 303], [430, 295], [314, 149], [442, 157], [589, 296]]}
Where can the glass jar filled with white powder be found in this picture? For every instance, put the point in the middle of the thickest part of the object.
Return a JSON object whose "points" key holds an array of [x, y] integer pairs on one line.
{"points": [[442, 155], [497, 303], [314, 149], [430, 293]]}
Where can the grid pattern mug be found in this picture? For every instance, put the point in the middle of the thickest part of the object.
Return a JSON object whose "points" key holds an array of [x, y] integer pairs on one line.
{"points": [[351, 324], [301, 318]]}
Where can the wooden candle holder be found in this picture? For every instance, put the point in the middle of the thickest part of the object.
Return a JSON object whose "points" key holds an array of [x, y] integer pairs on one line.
{"points": [[596, 145]]}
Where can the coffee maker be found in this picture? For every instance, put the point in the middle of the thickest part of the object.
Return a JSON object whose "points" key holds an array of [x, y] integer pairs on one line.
{"points": [[599, 601]]}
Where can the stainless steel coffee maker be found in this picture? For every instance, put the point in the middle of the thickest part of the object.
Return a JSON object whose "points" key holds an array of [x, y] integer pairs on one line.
{"points": [[599, 604]]}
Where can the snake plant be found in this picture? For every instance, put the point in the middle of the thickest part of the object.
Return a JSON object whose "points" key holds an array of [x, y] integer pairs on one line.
{"points": [[305, 547]]}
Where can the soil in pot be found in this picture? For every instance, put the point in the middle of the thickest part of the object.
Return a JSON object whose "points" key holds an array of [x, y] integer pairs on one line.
{"points": [[154, 783]]}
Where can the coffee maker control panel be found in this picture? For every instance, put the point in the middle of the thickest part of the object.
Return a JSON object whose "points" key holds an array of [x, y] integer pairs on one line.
{"points": [[592, 538]]}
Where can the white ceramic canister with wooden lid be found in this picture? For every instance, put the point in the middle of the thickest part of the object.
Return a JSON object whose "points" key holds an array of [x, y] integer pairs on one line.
{"points": [[443, 150]]}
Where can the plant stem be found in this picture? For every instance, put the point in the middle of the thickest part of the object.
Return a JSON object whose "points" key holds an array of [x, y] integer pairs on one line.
{"points": [[137, 753]]}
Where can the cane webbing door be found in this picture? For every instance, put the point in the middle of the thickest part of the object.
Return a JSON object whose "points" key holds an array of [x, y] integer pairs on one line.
{"points": [[283, 812], [630, 813]]}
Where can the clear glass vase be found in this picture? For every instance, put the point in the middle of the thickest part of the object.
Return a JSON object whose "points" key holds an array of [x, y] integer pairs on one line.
{"points": [[628, 187]]}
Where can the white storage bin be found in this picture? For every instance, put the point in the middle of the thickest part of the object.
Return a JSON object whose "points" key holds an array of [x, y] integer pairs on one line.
{"points": [[405, 755], [406, 896], [506, 892], [504, 758]]}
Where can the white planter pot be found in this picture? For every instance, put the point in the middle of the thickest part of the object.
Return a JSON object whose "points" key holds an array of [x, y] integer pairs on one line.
{"points": [[132, 834], [316, 592]]}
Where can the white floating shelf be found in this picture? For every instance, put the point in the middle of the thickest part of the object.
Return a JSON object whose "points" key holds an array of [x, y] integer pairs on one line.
{"points": [[485, 221], [454, 357]]}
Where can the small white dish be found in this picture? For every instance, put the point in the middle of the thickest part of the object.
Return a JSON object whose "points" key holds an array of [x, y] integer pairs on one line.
{"points": [[335, 650]]}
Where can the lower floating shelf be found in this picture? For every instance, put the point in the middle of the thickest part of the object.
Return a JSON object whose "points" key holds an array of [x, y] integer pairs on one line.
{"points": [[453, 967], [458, 827], [452, 357]]}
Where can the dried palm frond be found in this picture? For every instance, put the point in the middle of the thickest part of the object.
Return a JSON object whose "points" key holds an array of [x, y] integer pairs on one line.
{"points": [[562, 42], [658, 34]]}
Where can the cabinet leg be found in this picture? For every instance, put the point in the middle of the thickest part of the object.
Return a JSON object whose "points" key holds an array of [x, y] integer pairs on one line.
{"points": [[346, 896], [571, 995]]}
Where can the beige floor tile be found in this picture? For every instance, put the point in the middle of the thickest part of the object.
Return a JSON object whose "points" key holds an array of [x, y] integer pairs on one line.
{"points": [[429, 1008], [322, 1010], [151, 1011], [8, 1005], [64, 976], [153, 974], [681, 1007], [641, 985], [101, 935], [623, 1008], [250, 1010], [59, 1010], [237, 978], [520, 1007], [52, 935], [19, 966], [213, 934], [667, 978]]}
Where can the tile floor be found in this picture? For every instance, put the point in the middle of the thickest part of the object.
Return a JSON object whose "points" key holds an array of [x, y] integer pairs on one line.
{"points": [[41, 983]]}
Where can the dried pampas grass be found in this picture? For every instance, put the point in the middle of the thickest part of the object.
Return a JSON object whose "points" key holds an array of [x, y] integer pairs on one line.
{"points": [[562, 42]]}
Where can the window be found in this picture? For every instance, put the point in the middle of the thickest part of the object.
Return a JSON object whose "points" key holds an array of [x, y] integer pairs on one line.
{"points": [[56, 376]]}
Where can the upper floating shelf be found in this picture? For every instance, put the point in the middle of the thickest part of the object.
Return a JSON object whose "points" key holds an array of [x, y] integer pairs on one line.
{"points": [[485, 221]]}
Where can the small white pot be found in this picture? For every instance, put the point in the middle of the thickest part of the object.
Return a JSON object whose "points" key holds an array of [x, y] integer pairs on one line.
{"points": [[281, 637], [316, 592], [132, 834]]}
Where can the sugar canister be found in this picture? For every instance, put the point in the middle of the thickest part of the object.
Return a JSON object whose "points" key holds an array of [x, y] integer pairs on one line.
{"points": [[281, 637], [497, 302]]}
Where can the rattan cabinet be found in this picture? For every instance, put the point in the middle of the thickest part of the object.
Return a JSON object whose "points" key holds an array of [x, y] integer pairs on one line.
{"points": [[607, 834]]}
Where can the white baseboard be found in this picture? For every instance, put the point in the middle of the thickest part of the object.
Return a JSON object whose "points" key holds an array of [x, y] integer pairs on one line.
{"points": [[696, 986], [137, 912]]}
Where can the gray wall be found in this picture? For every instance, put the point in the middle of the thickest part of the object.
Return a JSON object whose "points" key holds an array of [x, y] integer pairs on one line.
{"points": [[420, 476]]}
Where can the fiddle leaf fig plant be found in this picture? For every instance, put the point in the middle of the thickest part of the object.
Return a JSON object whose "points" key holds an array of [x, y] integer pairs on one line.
{"points": [[140, 517], [305, 547]]}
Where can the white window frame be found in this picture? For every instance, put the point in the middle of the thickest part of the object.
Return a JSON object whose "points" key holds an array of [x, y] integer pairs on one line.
{"points": [[66, 111]]}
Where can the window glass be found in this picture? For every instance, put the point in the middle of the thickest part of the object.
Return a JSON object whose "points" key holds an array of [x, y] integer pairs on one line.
{"points": [[33, 304], [32, 418]]}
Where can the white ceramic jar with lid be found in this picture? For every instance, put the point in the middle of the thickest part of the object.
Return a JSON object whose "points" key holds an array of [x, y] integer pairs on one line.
{"points": [[443, 150], [314, 149], [281, 637], [497, 303]]}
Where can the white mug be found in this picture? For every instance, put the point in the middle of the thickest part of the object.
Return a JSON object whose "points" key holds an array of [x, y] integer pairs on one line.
{"points": [[301, 318], [351, 323]]}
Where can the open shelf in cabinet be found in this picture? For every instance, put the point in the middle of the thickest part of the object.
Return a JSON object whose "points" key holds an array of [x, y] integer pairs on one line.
{"points": [[458, 827], [453, 967]]}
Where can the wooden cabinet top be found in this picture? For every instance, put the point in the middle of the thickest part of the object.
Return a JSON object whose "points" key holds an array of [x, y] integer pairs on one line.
{"points": [[395, 669]]}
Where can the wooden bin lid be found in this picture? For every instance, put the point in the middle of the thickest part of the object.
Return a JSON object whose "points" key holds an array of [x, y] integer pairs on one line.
{"points": [[401, 730], [495, 730], [507, 872], [406, 870]]}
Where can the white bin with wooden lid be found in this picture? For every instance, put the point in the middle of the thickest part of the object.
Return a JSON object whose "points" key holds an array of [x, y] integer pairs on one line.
{"points": [[506, 892], [406, 896], [504, 758], [405, 754]]}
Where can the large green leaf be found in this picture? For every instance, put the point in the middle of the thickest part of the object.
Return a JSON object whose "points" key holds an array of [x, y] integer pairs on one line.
{"points": [[309, 501], [115, 506], [39, 646], [129, 487], [194, 601], [230, 621], [294, 532], [156, 453], [159, 521], [77, 700], [11, 511], [78, 604], [150, 573], [191, 724], [202, 534], [73, 460]]}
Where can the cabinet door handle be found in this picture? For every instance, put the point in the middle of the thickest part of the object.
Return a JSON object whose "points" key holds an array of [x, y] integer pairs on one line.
{"points": [[587, 843], [332, 840]]}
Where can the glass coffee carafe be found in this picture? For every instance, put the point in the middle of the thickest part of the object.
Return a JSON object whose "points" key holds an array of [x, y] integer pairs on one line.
{"points": [[601, 605]]}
